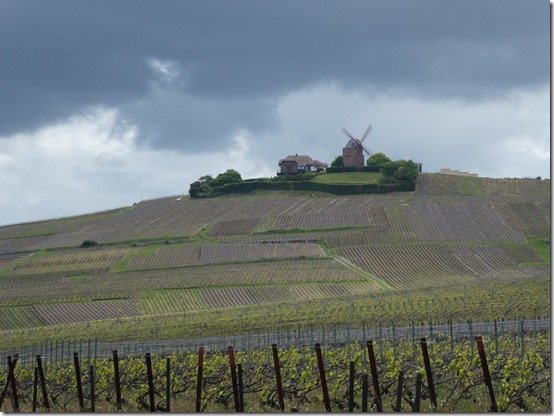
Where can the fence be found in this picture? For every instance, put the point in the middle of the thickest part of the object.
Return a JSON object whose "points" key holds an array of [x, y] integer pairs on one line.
{"points": [[91, 349]]}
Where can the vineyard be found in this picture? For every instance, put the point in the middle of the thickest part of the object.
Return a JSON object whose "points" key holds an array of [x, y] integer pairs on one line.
{"points": [[456, 249], [446, 374]]}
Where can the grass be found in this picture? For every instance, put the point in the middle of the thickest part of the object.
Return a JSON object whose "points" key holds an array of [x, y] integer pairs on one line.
{"points": [[542, 245], [312, 230], [349, 178]]}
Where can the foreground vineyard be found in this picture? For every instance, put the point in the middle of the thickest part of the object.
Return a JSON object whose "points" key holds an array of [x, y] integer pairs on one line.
{"points": [[484, 302], [519, 372]]}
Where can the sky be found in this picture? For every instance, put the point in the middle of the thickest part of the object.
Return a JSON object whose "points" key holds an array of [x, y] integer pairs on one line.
{"points": [[106, 103]]}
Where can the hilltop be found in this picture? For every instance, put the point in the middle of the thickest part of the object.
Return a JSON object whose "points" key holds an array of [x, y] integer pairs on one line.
{"points": [[455, 248]]}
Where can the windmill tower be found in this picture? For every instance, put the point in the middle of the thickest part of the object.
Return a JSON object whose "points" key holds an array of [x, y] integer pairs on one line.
{"points": [[353, 152]]}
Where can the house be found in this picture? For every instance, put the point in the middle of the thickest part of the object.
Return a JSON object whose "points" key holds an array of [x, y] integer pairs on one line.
{"points": [[299, 164]]}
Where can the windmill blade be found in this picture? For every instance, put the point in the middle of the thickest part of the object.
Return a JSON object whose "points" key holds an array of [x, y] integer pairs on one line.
{"points": [[349, 135], [367, 151], [367, 131]]}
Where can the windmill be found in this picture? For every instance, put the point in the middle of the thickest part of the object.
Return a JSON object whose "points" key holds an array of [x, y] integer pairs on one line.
{"points": [[353, 152]]}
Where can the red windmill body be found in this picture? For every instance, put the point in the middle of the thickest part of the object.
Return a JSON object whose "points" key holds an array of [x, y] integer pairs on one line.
{"points": [[353, 152]]}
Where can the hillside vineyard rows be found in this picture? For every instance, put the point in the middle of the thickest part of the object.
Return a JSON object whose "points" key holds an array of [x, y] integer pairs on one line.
{"points": [[457, 248]]}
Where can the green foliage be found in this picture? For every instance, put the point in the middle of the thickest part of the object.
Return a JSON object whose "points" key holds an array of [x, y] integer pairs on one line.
{"points": [[229, 176], [400, 170], [203, 187], [377, 160], [542, 245], [521, 383], [88, 243], [337, 162]]}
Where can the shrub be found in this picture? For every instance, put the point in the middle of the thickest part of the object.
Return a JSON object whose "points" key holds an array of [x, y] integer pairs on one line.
{"points": [[377, 160], [88, 243], [229, 176], [337, 162]]}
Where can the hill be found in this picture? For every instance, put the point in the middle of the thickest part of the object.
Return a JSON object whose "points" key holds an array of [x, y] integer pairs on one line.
{"points": [[457, 248]]}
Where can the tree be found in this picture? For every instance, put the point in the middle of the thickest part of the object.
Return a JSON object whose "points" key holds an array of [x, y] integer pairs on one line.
{"points": [[406, 170], [200, 187], [377, 160], [229, 176], [401, 170], [338, 162]]}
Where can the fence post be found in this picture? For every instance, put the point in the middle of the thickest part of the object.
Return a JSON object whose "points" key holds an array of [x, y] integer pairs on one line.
{"points": [[35, 388], [323, 378], [486, 373], [451, 336], [364, 392], [117, 380], [522, 334], [351, 387], [417, 396], [150, 377], [167, 384], [92, 390], [374, 375], [241, 388], [398, 407], [278, 381], [199, 379], [45, 401], [78, 381], [427, 364], [495, 336], [11, 380], [231, 353]]}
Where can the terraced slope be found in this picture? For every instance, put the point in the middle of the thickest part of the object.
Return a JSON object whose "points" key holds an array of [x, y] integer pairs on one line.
{"points": [[181, 256]]}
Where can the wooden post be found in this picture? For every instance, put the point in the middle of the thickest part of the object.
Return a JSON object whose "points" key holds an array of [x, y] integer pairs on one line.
{"points": [[11, 366], [78, 381], [417, 397], [323, 378], [486, 373], [199, 379], [150, 377], [398, 407], [231, 353], [35, 388], [364, 392], [241, 388], [277, 366], [167, 384], [351, 387], [11, 380], [92, 389], [429, 374], [374, 375], [117, 380], [45, 401]]}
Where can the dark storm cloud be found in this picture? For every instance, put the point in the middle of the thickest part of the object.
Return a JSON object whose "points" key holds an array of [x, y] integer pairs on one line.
{"points": [[61, 56]]}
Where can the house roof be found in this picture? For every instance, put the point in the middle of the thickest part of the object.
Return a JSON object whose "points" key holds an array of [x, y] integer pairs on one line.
{"points": [[302, 160]]}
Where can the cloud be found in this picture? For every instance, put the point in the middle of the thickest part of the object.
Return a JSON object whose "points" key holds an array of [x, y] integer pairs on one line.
{"points": [[92, 161], [168, 71], [505, 136]]}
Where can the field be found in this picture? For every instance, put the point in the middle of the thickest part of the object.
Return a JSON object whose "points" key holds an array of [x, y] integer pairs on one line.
{"points": [[455, 249], [349, 177]]}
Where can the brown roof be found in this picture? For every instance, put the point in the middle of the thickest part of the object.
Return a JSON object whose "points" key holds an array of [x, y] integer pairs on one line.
{"points": [[302, 160]]}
